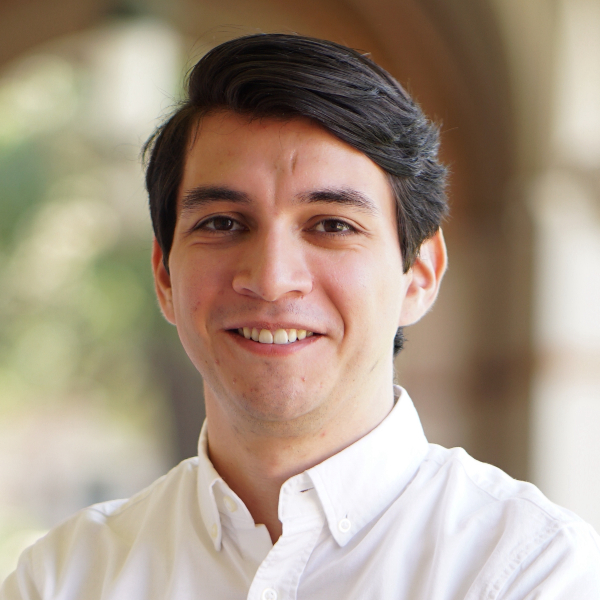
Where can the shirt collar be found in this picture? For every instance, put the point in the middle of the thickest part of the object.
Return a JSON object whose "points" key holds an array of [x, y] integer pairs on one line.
{"points": [[353, 486], [361, 481], [208, 478]]}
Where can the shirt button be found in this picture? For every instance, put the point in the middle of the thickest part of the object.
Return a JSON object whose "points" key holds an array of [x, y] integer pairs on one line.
{"points": [[344, 525], [214, 531], [230, 503], [269, 594]]}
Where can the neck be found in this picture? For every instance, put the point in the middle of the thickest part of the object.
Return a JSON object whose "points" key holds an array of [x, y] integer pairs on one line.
{"points": [[256, 457]]}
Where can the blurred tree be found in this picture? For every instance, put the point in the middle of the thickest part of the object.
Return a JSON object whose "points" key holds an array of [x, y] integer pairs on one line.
{"points": [[96, 397]]}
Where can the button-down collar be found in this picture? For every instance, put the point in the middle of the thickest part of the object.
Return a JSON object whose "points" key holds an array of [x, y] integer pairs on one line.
{"points": [[347, 488]]}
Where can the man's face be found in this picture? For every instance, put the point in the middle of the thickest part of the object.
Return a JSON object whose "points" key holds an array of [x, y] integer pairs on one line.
{"points": [[282, 226]]}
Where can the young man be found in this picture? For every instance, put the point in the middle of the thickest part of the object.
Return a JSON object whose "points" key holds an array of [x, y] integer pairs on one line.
{"points": [[296, 199]]}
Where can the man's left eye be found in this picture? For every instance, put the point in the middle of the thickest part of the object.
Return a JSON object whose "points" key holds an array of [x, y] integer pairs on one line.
{"points": [[333, 226]]}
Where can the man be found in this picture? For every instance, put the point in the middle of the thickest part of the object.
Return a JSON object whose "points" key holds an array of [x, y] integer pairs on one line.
{"points": [[296, 199]]}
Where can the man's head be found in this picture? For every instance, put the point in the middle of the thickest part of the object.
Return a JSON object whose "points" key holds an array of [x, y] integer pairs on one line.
{"points": [[283, 76], [297, 188]]}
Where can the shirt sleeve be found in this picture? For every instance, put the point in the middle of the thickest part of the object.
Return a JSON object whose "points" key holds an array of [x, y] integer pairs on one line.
{"points": [[20, 585], [567, 567]]}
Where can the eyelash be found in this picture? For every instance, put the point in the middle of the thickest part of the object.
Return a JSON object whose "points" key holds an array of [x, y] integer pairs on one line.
{"points": [[203, 226]]}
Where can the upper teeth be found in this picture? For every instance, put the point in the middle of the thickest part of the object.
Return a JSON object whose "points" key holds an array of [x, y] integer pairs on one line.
{"points": [[279, 336]]}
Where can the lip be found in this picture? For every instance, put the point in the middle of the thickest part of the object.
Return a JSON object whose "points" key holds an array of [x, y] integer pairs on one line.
{"points": [[272, 349]]}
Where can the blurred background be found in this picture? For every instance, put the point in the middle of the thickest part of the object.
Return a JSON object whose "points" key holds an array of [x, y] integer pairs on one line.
{"points": [[96, 397]]}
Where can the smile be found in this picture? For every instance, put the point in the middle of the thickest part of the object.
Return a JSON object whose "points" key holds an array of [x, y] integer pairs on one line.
{"points": [[279, 336]]}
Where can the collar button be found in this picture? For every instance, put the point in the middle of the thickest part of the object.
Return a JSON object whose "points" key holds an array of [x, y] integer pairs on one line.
{"points": [[344, 525]]}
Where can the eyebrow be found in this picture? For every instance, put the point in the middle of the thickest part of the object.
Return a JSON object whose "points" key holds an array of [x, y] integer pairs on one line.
{"points": [[203, 195], [347, 197]]}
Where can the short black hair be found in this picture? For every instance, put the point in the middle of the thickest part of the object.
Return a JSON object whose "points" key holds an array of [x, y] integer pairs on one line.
{"points": [[285, 76]]}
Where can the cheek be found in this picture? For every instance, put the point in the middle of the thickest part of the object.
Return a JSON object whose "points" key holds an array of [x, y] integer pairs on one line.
{"points": [[367, 293], [196, 289]]}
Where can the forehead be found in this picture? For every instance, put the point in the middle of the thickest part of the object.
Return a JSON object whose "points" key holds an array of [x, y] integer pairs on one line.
{"points": [[278, 158]]}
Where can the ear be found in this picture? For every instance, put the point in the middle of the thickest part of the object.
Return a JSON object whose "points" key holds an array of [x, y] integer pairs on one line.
{"points": [[425, 277], [162, 283]]}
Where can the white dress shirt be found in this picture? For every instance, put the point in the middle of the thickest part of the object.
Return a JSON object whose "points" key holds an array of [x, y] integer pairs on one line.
{"points": [[391, 516]]}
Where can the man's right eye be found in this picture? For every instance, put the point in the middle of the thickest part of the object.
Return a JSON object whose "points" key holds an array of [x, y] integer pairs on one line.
{"points": [[220, 223]]}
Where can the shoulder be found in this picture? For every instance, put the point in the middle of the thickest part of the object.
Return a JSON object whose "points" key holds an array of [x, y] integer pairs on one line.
{"points": [[168, 495], [533, 545], [481, 486], [104, 536]]}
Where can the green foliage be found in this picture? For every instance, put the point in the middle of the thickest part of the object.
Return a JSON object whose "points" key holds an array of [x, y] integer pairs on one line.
{"points": [[78, 316]]}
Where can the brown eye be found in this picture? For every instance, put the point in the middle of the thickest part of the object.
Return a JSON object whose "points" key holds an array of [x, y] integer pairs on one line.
{"points": [[222, 223], [333, 226]]}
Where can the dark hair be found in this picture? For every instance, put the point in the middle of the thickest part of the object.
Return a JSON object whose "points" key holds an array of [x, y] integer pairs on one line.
{"points": [[286, 76]]}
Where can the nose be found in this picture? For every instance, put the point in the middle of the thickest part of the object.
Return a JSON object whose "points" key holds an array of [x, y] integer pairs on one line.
{"points": [[273, 266]]}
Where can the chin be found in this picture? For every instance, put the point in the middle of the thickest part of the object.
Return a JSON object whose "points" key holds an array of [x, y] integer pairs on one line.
{"points": [[275, 407]]}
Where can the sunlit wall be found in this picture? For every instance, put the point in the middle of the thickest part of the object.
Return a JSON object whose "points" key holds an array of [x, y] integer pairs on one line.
{"points": [[565, 202]]}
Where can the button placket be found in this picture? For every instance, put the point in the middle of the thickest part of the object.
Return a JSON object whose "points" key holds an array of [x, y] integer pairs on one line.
{"points": [[230, 504], [303, 519]]}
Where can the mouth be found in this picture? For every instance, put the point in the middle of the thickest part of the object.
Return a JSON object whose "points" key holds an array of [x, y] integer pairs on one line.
{"points": [[277, 336]]}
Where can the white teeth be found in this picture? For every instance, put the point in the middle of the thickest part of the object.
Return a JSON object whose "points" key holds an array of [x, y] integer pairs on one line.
{"points": [[280, 336], [265, 337]]}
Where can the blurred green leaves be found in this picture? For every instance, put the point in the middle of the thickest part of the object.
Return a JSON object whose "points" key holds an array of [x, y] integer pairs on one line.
{"points": [[78, 318]]}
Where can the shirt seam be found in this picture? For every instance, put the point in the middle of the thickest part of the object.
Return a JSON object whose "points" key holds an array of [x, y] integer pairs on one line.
{"points": [[554, 518], [518, 556], [137, 498]]}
